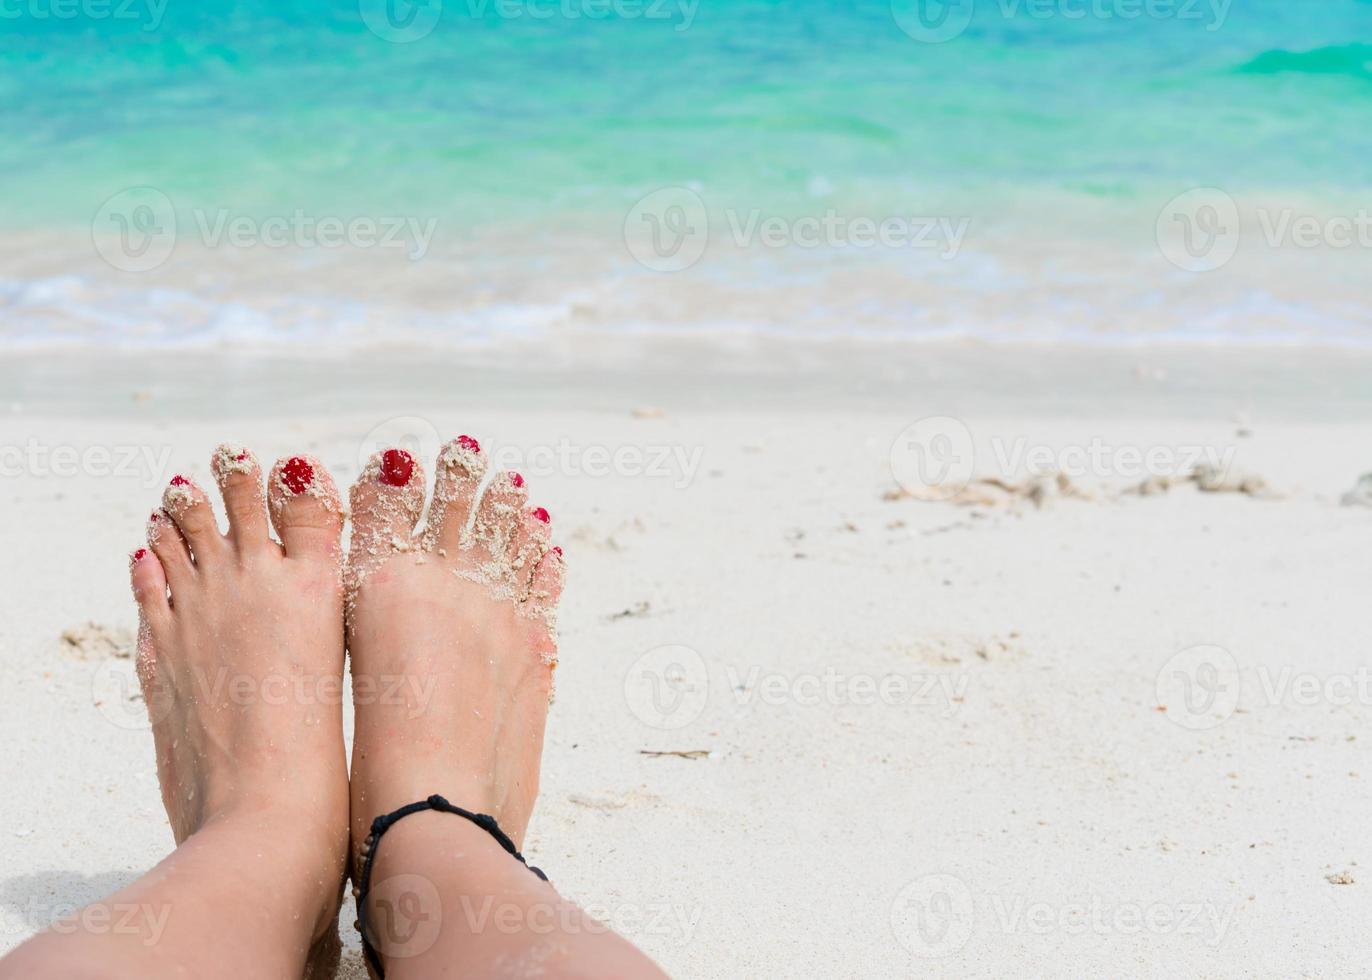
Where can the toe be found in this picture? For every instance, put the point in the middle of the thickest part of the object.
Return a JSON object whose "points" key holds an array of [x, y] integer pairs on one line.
{"points": [[497, 521], [240, 483], [305, 508], [385, 502], [548, 574], [149, 587], [166, 542], [532, 538], [461, 465], [188, 506], [544, 592]]}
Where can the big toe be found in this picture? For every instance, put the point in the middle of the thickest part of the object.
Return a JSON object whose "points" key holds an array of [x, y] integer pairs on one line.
{"points": [[386, 502], [305, 508]]}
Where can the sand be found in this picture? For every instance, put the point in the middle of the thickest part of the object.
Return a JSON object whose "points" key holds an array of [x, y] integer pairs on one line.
{"points": [[801, 729]]}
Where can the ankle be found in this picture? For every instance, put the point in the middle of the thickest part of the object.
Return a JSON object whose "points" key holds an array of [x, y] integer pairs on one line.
{"points": [[409, 781], [435, 873], [382, 784], [277, 857]]}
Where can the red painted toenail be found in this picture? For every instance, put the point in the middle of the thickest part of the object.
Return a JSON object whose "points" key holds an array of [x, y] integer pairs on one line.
{"points": [[155, 516], [557, 551], [516, 480], [241, 458], [297, 474], [180, 481], [542, 514], [467, 442], [140, 554], [396, 467]]}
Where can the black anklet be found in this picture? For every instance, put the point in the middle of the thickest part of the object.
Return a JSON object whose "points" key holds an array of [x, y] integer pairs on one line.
{"points": [[384, 823]]}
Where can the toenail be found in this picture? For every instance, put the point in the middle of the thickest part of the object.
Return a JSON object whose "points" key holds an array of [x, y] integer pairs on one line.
{"points": [[139, 555], [557, 550], [180, 481], [297, 474], [516, 479], [154, 517], [542, 514], [396, 467], [468, 443]]}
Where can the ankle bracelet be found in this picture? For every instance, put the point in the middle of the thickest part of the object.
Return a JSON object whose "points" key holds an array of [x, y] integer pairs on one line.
{"points": [[384, 823]]}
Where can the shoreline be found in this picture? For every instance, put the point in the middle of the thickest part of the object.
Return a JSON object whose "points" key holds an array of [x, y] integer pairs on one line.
{"points": [[1040, 380]]}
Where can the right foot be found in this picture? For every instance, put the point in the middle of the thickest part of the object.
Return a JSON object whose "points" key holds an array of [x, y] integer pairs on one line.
{"points": [[450, 634]]}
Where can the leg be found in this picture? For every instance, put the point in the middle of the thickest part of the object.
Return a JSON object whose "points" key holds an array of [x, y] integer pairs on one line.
{"points": [[452, 655], [480, 913], [238, 898], [240, 657]]}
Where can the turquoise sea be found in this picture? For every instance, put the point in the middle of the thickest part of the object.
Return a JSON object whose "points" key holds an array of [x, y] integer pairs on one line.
{"points": [[508, 141]]}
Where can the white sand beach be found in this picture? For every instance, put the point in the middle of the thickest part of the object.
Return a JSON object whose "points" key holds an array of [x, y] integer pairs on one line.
{"points": [[802, 729]]}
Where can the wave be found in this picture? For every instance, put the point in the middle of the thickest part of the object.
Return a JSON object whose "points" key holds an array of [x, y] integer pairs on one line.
{"points": [[66, 313], [1351, 60]]}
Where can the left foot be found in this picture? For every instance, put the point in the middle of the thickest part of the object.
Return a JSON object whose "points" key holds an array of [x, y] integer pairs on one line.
{"points": [[241, 659]]}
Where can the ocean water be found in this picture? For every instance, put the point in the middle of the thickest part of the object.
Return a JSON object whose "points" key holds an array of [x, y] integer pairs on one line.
{"points": [[490, 172]]}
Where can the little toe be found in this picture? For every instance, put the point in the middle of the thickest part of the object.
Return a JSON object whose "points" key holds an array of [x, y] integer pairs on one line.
{"points": [[544, 593], [240, 483], [548, 575], [497, 521], [461, 465], [385, 502], [188, 506], [149, 587], [305, 508]]}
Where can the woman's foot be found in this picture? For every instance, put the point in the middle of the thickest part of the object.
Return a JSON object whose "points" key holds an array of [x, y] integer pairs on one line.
{"points": [[450, 634], [241, 658], [452, 652], [453, 655]]}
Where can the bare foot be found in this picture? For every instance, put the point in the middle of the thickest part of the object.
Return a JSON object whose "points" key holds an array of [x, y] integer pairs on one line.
{"points": [[241, 658], [453, 653], [450, 634]]}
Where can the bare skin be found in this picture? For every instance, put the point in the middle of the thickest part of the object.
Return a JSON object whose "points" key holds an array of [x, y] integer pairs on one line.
{"points": [[241, 657], [239, 669], [463, 612]]}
